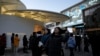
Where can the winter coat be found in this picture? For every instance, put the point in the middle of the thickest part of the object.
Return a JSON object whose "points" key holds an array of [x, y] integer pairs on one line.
{"points": [[45, 38], [25, 42], [2, 41], [12, 39], [54, 45], [16, 41], [78, 39]]}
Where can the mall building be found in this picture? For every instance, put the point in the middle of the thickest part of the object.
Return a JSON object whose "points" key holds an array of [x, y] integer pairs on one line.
{"points": [[75, 13]]}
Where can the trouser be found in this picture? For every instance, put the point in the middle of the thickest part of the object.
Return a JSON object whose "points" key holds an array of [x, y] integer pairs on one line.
{"points": [[25, 49], [15, 51], [71, 51], [79, 47], [86, 49], [35, 52], [12, 47], [62, 52], [2, 50]]}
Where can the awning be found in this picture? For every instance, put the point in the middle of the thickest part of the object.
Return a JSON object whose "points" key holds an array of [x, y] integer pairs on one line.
{"points": [[40, 15]]}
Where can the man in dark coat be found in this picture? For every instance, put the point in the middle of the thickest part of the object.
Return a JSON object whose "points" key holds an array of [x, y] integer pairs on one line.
{"points": [[54, 46], [12, 42], [78, 42], [54, 43], [2, 44], [36, 50], [25, 44]]}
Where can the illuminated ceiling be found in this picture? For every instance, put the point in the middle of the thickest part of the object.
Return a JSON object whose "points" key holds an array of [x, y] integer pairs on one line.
{"points": [[17, 8], [43, 16]]}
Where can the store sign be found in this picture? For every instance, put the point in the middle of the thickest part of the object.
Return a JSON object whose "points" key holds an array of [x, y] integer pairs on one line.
{"points": [[83, 6], [92, 2], [76, 13]]}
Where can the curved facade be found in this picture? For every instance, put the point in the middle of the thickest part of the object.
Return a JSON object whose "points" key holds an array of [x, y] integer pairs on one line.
{"points": [[11, 5]]}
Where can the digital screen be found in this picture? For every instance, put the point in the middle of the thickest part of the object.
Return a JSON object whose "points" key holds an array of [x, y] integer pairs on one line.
{"points": [[92, 17]]}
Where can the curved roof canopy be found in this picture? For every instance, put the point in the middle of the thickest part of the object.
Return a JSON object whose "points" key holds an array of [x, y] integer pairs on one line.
{"points": [[17, 8], [12, 4], [40, 15]]}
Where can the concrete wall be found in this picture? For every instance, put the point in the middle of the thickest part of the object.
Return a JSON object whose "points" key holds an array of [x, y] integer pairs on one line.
{"points": [[9, 24]]}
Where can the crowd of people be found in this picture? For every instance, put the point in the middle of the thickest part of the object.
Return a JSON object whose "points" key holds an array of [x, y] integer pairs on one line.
{"points": [[45, 42]]}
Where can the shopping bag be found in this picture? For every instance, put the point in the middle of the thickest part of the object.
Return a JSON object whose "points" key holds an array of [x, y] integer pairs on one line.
{"points": [[40, 44]]}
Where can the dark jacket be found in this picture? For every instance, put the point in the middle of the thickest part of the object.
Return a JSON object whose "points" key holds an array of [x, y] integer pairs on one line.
{"points": [[3, 41], [35, 48], [35, 41], [25, 42], [45, 38], [54, 46], [86, 41], [12, 39], [78, 40]]}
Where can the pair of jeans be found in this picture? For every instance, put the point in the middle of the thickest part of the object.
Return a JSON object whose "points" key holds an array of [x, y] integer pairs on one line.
{"points": [[71, 51]]}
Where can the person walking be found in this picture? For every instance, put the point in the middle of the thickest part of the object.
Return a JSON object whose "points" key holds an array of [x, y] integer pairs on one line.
{"points": [[12, 42], [30, 41], [25, 44], [16, 44], [78, 42], [54, 43], [86, 43], [71, 44], [66, 38], [2, 44], [36, 50], [44, 39]]}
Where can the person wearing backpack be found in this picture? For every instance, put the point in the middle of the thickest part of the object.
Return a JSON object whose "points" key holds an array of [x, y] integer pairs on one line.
{"points": [[44, 39], [71, 44]]}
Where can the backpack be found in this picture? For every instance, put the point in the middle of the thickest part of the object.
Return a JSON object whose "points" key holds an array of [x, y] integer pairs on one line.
{"points": [[71, 42]]}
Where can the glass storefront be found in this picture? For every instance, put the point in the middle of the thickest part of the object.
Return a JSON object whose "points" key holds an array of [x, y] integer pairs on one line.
{"points": [[75, 13]]}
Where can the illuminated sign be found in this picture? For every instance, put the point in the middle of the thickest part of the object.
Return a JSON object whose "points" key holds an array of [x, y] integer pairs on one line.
{"points": [[92, 2], [76, 11]]}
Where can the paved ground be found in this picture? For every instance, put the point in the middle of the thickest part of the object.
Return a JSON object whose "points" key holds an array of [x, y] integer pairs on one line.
{"points": [[66, 52]]}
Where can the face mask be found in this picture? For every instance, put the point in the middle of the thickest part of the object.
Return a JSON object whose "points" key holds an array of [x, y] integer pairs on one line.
{"points": [[39, 35]]}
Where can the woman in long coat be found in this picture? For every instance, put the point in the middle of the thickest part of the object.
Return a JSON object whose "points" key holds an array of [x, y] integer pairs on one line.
{"points": [[54, 43], [25, 44]]}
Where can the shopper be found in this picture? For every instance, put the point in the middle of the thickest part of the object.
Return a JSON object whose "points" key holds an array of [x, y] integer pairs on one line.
{"points": [[30, 41], [66, 38], [78, 42], [86, 43], [16, 44], [71, 44], [54, 43], [45, 38], [2, 44], [12, 42], [25, 44], [34, 44]]}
